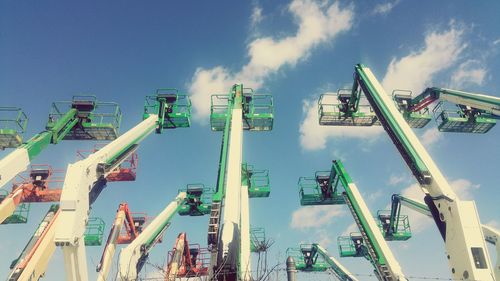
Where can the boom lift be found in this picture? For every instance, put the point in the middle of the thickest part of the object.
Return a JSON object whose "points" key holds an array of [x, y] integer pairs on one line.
{"points": [[395, 225], [232, 113], [375, 248], [186, 260], [41, 184], [314, 258], [119, 235], [457, 220], [34, 258], [13, 123], [85, 179], [474, 113], [82, 118], [133, 257]]}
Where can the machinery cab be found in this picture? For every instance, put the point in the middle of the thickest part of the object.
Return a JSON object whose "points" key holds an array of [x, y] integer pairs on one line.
{"points": [[198, 200], [173, 109], [345, 108], [84, 118], [94, 232], [399, 230], [21, 213], [320, 189], [258, 109], [414, 118], [125, 171], [352, 245], [13, 122], [462, 119], [307, 258], [256, 180]]}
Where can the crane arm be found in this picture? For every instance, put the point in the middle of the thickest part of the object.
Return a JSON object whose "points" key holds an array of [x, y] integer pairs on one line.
{"points": [[84, 181], [56, 130], [457, 220], [484, 103], [386, 265], [132, 257], [491, 235], [342, 273], [34, 258], [109, 250]]}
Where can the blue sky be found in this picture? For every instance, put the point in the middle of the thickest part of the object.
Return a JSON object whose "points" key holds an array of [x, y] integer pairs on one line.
{"points": [[122, 51]]}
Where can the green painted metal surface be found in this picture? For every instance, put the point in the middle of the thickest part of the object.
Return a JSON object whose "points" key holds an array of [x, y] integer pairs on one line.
{"points": [[256, 180], [84, 118], [13, 122], [198, 200], [307, 259], [396, 230], [94, 232], [352, 246], [173, 109], [344, 109], [338, 167], [322, 189], [404, 145]]}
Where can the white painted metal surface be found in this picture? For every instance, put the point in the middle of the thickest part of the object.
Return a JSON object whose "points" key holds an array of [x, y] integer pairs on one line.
{"points": [[130, 255], [80, 177], [231, 217], [463, 227], [14, 163], [107, 260], [245, 254], [37, 266], [336, 262]]}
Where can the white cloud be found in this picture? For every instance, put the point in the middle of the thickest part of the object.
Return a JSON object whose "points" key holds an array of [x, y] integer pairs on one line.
{"points": [[496, 41], [397, 179], [464, 188], [315, 216], [385, 8], [415, 71], [313, 136], [494, 223], [431, 136], [352, 228], [469, 72], [317, 23], [256, 16]]}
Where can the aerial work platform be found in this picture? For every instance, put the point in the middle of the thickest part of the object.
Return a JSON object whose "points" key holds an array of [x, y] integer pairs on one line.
{"points": [[90, 119], [258, 111], [256, 180], [13, 122], [345, 109], [198, 200], [322, 189], [175, 108]]}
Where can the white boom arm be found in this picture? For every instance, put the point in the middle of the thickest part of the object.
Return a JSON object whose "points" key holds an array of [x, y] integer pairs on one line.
{"points": [[132, 255], [340, 271], [107, 258], [491, 235], [232, 206], [457, 220], [75, 205]]}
